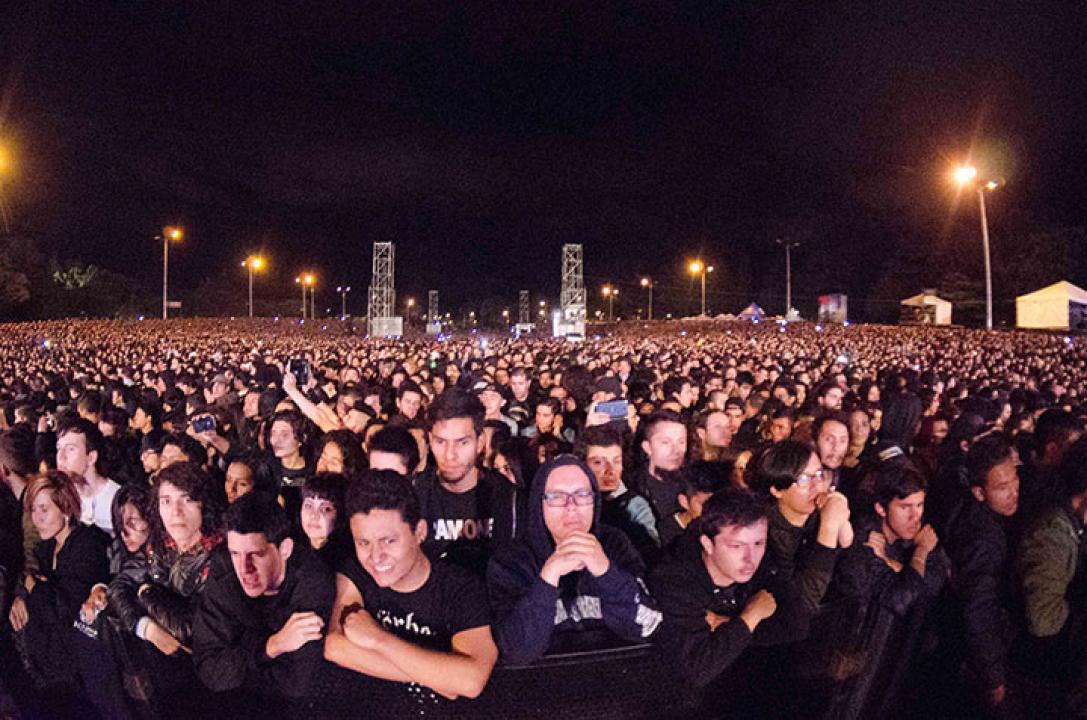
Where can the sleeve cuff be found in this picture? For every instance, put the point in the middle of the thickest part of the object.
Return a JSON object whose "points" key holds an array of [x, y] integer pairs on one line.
{"points": [[141, 627]]}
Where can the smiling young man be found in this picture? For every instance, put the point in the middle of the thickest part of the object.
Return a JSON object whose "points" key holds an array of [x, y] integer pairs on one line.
{"points": [[400, 617], [719, 598], [266, 602]]}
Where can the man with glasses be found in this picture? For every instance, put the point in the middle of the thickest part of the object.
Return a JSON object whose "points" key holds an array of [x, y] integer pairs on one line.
{"points": [[570, 577], [808, 523]]}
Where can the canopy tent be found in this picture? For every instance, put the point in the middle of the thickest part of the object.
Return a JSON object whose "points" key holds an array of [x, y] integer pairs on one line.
{"points": [[925, 309], [1060, 306], [753, 313]]}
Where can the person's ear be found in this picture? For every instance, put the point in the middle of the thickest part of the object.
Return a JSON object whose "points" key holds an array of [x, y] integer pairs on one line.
{"points": [[420, 531], [92, 458], [684, 502], [880, 510], [776, 493], [978, 493], [286, 547], [707, 544], [701, 433], [646, 447]]}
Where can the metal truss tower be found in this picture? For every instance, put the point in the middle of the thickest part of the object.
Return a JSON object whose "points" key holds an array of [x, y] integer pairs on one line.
{"points": [[524, 309], [382, 288], [572, 296], [432, 307]]}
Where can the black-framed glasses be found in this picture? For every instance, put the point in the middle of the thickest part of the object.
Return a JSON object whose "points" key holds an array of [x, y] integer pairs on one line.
{"points": [[581, 498], [804, 480]]}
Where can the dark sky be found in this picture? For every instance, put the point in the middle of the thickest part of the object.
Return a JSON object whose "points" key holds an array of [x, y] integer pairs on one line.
{"points": [[480, 137]]}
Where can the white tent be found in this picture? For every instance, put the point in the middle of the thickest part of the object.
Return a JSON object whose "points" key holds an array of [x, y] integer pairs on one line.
{"points": [[926, 309], [1060, 306]]}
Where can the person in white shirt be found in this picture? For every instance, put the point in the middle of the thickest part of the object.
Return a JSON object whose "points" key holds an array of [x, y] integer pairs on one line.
{"points": [[79, 450]]}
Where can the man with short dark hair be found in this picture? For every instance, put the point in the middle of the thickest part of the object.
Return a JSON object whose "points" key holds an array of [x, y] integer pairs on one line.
{"points": [[265, 603], [678, 395], [1054, 432], [80, 449], [980, 575], [888, 582], [601, 448], [719, 598], [831, 435], [393, 448], [522, 406], [456, 496], [665, 447], [400, 617], [409, 400]]}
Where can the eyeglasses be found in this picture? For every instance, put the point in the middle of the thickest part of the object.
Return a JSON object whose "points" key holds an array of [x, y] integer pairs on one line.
{"points": [[580, 498], [804, 480]]}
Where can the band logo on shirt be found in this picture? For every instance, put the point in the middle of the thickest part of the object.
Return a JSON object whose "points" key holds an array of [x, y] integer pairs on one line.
{"points": [[467, 528], [408, 623]]}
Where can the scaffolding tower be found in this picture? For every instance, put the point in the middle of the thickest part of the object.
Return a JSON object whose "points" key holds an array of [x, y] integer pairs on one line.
{"points": [[524, 309], [382, 308], [432, 306], [433, 318], [571, 320]]}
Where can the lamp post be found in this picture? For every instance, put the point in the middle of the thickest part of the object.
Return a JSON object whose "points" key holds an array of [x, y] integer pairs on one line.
{"points": [[342, 290], [697, 267], [252, 262], [409, 304], [788, 273], [171, 232], [647, 282], [966, 175], [311, 280], [610, 293], [506, 317], [306, 280], [5, 163]]}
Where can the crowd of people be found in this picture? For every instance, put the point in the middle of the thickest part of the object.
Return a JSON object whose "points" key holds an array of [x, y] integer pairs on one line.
{"points": [[843, 522]]}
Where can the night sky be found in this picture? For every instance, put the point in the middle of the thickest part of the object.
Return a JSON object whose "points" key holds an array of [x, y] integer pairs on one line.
{"points": [[480, 137]]}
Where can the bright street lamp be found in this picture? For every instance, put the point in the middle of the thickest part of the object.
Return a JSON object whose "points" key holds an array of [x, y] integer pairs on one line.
{"points": [[966, 175], [175, 233], [343, 300], [610, 293], [647, 282], [697, 267], [307, 280], [253, 262]]}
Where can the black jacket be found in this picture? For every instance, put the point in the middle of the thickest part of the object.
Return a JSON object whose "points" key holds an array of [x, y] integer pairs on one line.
{"points": [[797, 555], [982, 583], [528, 611], [685, 591], [58, 594], [886, 613], [173, 584], [232, 629]]}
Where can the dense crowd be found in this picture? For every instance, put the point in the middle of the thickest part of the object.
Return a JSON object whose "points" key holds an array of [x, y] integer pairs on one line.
{"points": [[206, 518]]}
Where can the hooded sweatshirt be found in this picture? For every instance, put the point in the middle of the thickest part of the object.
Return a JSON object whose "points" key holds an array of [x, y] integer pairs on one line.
{"points": [[528, 611]]}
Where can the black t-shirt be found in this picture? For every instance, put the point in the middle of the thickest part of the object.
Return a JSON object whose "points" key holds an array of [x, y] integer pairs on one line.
{"points": [[290, 483], [450, 601], [460, 526]]}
